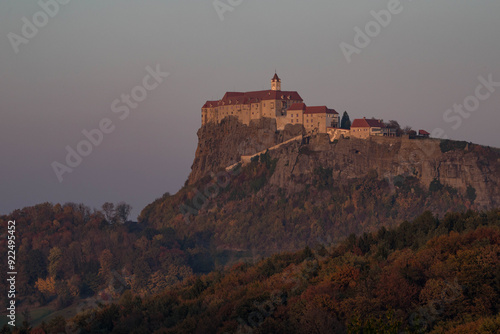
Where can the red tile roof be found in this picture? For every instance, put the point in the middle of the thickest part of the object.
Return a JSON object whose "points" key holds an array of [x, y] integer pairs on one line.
{"points": [[312, 110], [367, 123], [423, 133], [210, 104], [320, 110], [298, 106], [231, 98]]}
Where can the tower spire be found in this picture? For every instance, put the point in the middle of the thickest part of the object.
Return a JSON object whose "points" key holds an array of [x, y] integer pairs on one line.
{"points": [[276, 82]]}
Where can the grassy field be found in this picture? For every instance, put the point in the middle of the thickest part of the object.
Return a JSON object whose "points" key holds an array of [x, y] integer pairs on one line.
{"points": [[45, 313]]}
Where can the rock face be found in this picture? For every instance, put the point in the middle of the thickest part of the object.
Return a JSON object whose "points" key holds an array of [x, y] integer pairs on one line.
{"points": [[474, 167], [222, 145]]}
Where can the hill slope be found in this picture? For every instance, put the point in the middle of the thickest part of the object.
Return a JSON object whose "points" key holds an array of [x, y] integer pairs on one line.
{"points": [[432, 275], [303, 194]]}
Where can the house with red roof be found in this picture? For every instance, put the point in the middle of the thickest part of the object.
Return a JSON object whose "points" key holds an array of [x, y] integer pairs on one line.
{"points": [[423, 134], [287, 107], [364, 128]]}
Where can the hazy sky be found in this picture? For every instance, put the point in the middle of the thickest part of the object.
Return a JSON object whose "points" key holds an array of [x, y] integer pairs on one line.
{"points": [[65, 78]]}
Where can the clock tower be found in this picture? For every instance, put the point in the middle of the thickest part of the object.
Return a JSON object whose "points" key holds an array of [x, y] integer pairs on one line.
{"points": [[276, 83]]}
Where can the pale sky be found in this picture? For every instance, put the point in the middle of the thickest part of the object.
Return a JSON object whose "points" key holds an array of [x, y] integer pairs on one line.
{"points": [[65, 77]]}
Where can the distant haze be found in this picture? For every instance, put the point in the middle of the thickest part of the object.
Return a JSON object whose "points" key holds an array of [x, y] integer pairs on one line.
{"points": [[65, 78]]}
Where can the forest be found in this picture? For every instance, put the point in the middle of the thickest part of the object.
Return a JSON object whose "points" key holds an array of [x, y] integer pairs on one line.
{"points": [[66, 253], [436, 275]]}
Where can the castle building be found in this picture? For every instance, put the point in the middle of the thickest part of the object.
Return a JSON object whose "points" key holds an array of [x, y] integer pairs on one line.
{"points": [[286, 107], [313, 118]]}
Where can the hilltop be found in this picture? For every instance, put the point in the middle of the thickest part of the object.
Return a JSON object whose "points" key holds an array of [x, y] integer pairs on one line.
{"points": [[457, 164], [315, 190]]}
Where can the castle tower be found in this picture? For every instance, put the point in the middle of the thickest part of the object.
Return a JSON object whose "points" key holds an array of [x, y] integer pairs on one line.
{"points": [[276, 82]]}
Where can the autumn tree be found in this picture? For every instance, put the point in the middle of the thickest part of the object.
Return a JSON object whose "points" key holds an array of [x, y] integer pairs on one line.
{"points": [[106, 262], [109, 212], [55, 260], [122, 212], [46, 286], [407, 130], [392, 124]]}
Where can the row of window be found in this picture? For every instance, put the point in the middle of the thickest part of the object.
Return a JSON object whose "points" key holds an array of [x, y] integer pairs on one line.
{"points": [[256, 105]]}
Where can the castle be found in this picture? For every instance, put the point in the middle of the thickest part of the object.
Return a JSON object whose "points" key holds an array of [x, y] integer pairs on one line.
{"points": [[286, 107]]}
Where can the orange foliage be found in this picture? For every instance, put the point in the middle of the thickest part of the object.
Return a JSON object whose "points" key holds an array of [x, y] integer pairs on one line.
{"points": [[46, 286]]}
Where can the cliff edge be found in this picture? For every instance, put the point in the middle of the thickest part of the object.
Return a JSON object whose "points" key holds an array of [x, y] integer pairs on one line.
{"points": [[470, 169], [221, 145]]}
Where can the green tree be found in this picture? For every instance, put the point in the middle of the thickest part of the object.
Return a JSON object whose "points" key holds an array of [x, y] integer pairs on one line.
{"points": [[345, 123]]}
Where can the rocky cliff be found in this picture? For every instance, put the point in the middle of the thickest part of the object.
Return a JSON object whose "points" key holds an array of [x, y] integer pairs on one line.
{"points": [[222, 145], [314, 191], [473, 168], [468, 168]]}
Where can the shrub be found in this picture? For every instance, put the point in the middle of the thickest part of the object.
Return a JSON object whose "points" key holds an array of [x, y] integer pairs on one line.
{"points": [[258, 183], [435, 186], [471, 194], [452, 145], [305, 150], [323, 177]]}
